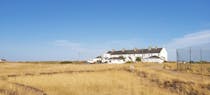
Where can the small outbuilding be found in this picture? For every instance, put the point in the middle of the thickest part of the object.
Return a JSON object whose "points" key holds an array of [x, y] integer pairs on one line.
{"points": [[95, 60], [153, 59], [3, 60], [117, 60]]}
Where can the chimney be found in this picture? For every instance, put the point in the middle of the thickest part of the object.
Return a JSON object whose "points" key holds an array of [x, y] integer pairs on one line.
{"points": [[135, 49], [113, 50], [150, 48], [123, 50], [156, 47]]}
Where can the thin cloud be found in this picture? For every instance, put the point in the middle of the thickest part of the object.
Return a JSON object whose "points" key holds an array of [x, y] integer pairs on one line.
{"points": [[66, 43], [84, 51], [70, 45], [189, 40], [192, 39], [88, 50], [119, 44]]}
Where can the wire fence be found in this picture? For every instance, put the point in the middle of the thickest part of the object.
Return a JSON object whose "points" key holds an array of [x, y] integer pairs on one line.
{"points": [[193, 59]]}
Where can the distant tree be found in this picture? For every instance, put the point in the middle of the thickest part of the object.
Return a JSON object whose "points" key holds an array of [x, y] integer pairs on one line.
{"points": [[129, 62], [138, 59]]}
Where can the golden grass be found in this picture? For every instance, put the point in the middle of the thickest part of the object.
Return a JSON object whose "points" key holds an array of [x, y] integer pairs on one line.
{"points": [[92, 83], [194, 68], [23, 68], [103, 79], [7, 88]]}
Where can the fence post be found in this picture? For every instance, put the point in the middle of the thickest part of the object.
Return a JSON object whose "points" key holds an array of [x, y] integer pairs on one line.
{"points": [[201, 63], [190, 51], [177, 60]]}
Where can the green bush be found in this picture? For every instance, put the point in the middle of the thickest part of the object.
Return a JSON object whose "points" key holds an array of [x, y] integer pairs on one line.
{"points": [[138, 59]]}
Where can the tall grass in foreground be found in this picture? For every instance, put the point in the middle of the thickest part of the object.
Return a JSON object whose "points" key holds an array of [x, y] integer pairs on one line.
{"points": [[93, 83], [11, 89], [104, 79], [195, 68]]}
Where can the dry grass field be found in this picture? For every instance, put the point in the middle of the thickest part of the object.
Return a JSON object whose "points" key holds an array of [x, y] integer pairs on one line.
{"points": [[203, 68], [100, 79]]}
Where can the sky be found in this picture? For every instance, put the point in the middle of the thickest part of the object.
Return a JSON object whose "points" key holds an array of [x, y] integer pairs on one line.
{"points": [[43, 30]]}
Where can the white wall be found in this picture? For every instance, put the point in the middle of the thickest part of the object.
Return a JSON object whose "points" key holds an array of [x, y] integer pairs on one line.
{"points": [[164, 54], [154, 60], [94, 60], [117, 61], [133, 56]]}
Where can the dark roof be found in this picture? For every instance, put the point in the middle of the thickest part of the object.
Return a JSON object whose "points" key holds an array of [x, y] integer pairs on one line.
{"points": [[154, 57], [137, 51], [3, 59], [117, 58], [98, 57]]}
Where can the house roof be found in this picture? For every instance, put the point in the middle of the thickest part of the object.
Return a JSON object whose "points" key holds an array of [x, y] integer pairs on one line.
{"points": [[136, 51], [98, 57], [154, 57], [120, 58], [3, 60]]}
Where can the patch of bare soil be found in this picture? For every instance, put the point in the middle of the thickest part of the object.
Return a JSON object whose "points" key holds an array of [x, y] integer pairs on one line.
{"points": [[177, 86]]}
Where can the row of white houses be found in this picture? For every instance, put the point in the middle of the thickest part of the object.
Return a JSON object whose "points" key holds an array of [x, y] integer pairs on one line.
{"points": [[155, 55]]}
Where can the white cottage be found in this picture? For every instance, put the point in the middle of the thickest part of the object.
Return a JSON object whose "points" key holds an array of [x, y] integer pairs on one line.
{"points": [[157, 55], [116, 60], [95, 60], [3, 60]]}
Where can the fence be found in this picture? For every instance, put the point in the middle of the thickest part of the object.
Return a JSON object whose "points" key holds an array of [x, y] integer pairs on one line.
{"points": [[193, 59]]}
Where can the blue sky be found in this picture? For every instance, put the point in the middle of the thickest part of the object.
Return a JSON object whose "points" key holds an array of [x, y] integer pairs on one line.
{"points": [[82, 29]]}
